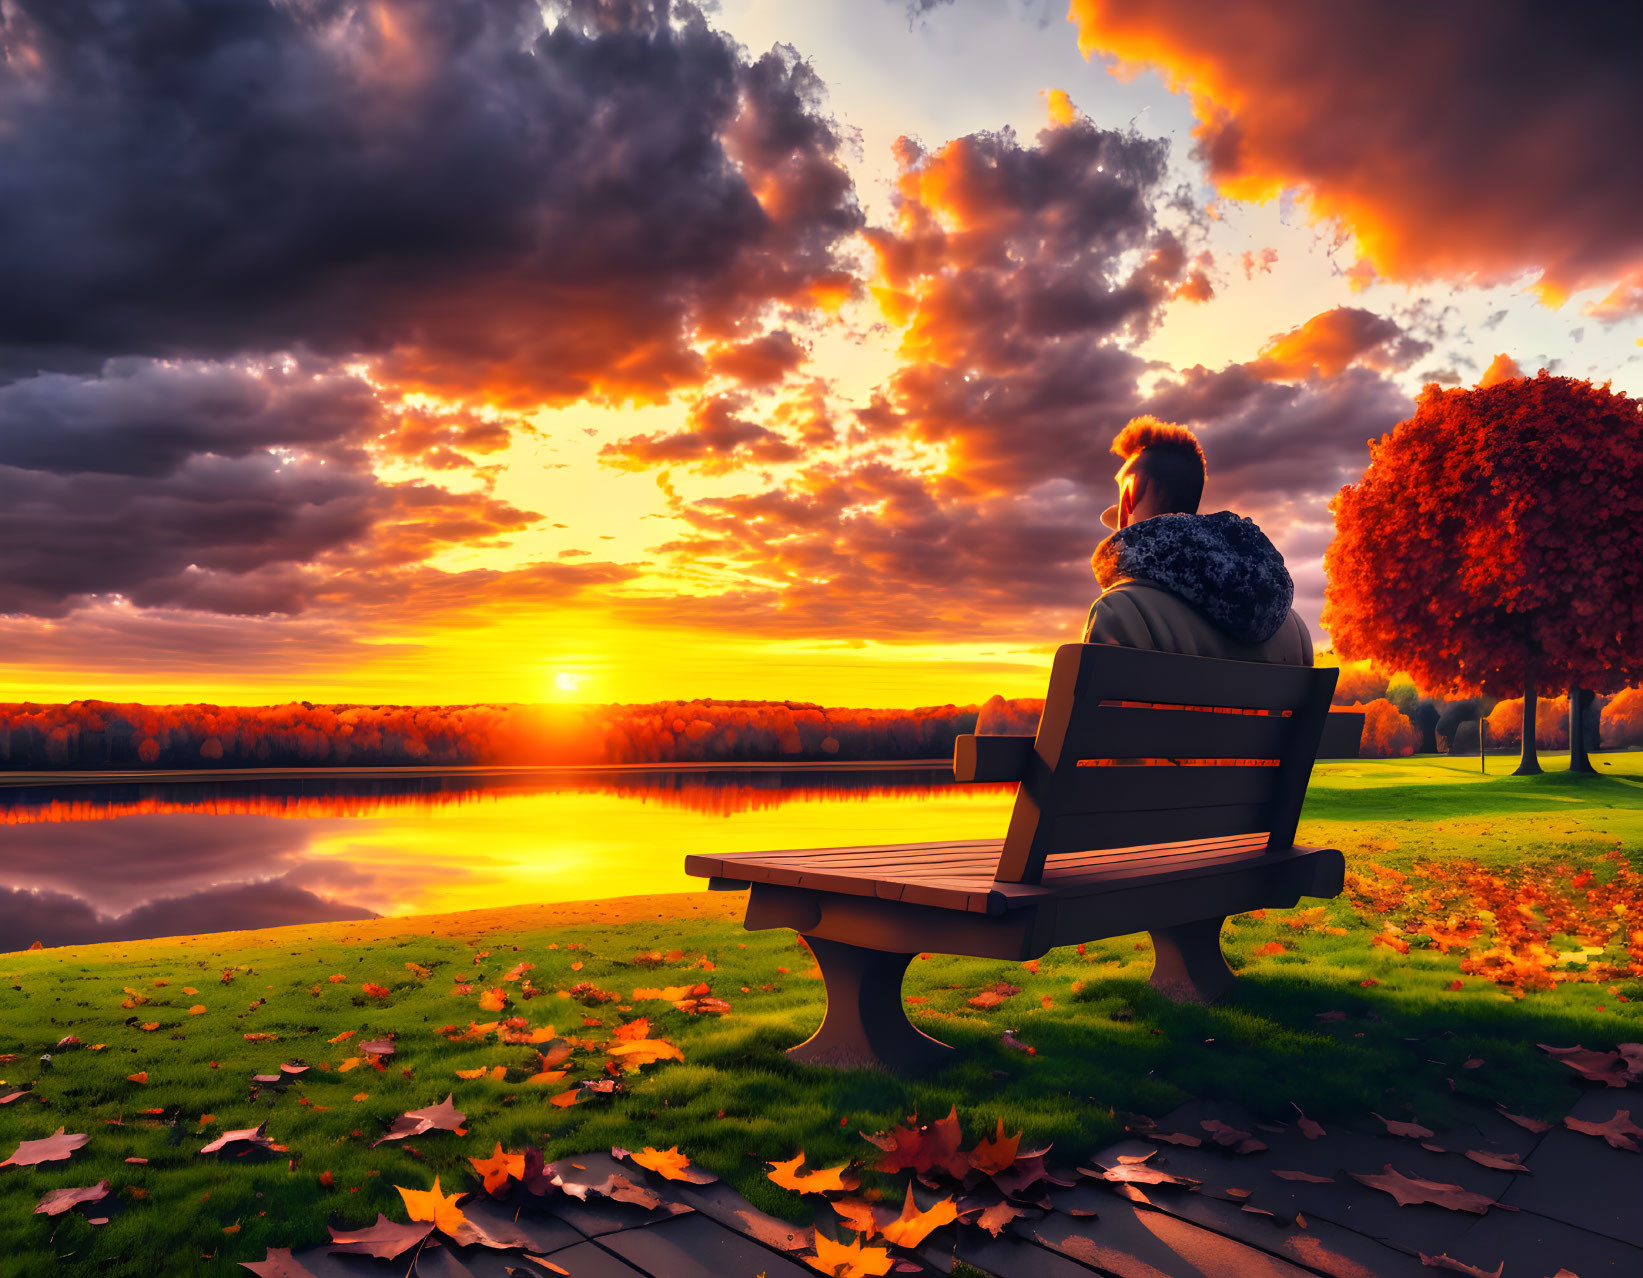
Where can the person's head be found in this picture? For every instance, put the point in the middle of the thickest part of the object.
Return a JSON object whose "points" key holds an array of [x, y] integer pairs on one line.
{"points": [[1162, 474]]}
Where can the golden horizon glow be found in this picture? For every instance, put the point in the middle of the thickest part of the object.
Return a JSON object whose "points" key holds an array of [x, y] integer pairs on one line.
{"points": [[518, 661]]}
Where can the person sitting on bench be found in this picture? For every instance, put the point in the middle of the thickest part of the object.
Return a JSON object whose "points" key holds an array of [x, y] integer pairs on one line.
{"points": [[1173, 580]]}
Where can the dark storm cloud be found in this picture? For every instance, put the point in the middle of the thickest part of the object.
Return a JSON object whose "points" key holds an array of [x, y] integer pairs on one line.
{"points": [[63, 537], [481, 198], [210, 486], [148, 419], [1269, 441]]}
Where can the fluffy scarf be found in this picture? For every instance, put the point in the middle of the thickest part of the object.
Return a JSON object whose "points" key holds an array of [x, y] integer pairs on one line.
{"points": [[1221, 564]]}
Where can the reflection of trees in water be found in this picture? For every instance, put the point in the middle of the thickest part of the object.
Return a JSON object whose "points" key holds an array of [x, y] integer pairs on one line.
{"points": [[717, 793]]}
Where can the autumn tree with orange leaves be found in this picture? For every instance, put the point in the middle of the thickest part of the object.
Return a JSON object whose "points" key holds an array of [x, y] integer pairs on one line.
{"points": [[1495, 544]]}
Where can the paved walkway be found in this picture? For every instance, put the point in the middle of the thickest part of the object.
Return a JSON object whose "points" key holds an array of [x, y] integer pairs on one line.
{"points": [[1576, 1210]]}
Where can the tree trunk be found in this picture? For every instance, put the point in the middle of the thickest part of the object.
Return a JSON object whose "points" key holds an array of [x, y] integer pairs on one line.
{"points": [[1528, 762], [1579, 760]]}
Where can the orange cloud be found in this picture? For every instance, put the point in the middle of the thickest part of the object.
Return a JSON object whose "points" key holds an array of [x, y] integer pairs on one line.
{"points": [[1503, 368], [1332, 341], [1466, 141]]}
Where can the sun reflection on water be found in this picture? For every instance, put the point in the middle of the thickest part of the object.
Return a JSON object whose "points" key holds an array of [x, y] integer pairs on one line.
{"points": [[96, 863]]}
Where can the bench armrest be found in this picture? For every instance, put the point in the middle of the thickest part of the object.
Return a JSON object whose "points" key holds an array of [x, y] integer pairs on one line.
{"points": [[992, 758]]}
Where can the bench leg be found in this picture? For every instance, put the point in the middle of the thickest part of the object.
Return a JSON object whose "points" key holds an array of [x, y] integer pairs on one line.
{"points": [[1188, 966], [866, 1026]]}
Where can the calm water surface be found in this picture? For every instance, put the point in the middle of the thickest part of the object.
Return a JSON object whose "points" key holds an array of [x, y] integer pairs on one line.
{"points": [[121, 861]]}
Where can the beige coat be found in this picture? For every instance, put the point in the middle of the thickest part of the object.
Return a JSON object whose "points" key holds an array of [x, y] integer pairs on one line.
{"points": [[1138, 614]]}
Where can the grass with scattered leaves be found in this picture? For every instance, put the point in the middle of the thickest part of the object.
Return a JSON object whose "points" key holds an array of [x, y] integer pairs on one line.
{"points": [[1327, 1017]]}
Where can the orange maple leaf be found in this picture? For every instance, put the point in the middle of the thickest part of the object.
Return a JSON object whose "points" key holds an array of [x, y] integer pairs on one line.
{"points": [[493, 1000], [667, 1163], [498, 1168], [667, 993], [995, 1153], [431, 1204], [923, 1149], [857, 1216], [854, 1261], [140, 1077], [644, 1051], [787, 1176], [913, 1226]]}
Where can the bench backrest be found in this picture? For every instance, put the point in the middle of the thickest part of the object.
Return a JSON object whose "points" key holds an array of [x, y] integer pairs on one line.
{"points": [[1139, 747]]}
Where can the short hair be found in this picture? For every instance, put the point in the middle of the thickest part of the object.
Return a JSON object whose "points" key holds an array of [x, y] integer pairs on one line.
{"points": [[1166, 458]]}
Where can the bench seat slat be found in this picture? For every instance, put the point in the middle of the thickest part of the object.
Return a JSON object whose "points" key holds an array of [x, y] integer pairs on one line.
{"points": [[934, 853], [1073, 879], [891, 864], [1159, 852], [924, 861], [935, 879]]}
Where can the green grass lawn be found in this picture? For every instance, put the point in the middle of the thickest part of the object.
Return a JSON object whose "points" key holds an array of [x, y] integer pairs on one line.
{"points": [[1104, 1044]]}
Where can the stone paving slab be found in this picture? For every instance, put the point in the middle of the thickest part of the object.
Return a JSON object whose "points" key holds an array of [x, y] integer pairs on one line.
{"points": [[718, 1201], [590, 1260], [695, 1247], [598, 1216], [1342, 1149], [546, 1233], [1536, 1247], [1008, 1256], [1345, 1202], [1134, 1242], [1582, 1180], [1319, 1246], [1485, 1128]]}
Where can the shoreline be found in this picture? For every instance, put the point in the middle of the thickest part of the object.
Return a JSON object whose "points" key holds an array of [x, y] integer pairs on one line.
{"points": [[138, 776], [616, 911]]}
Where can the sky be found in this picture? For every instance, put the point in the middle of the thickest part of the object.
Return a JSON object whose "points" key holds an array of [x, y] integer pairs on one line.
{"points": [[617, 350]]}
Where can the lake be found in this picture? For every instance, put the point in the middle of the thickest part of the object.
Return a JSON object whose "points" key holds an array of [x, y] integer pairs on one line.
{"points": [[124, 857]]}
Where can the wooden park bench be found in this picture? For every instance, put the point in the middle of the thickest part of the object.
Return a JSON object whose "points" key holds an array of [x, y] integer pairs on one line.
{"points": [[1160, 794]]}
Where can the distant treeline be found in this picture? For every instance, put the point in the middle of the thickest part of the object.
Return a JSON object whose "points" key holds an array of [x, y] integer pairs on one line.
{"points": [[1399, 719], [101, 734]]}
